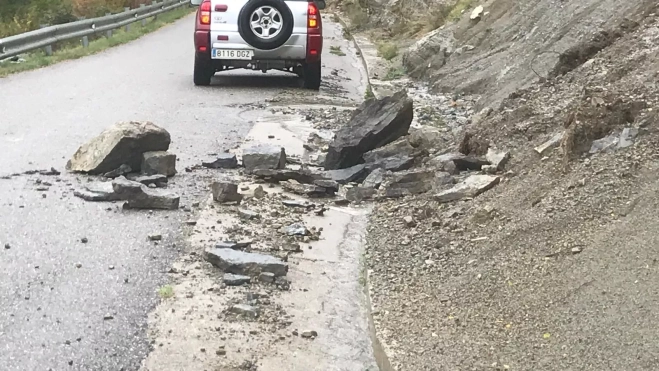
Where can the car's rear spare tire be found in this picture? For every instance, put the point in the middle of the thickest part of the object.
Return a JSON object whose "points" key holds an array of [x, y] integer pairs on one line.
{"points": [[312, 75], [265, 24], [203, 71]]}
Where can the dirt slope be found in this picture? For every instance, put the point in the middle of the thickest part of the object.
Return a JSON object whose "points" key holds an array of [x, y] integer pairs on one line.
{"points": [[556, 267]]}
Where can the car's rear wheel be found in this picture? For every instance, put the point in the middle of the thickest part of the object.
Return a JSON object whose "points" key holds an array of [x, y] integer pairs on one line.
{"points": [[311, 73], [203, 71], [265, 24]]}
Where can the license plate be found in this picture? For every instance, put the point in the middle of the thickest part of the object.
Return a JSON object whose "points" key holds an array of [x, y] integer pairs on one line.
{"points": [[232, 54]]}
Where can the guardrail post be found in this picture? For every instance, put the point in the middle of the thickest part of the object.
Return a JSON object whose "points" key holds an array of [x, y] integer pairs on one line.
{"points": [[143, 20], [127, 28], [155, 16], [49, 48], [108, 33]]}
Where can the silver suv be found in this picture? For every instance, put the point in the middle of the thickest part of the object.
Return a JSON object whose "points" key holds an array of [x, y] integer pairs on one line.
{"points": [[260, 35]]}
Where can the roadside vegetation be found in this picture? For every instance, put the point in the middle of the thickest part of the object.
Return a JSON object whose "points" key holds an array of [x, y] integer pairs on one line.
{"points": [[18, 16], [166, 292], [73, 50]]}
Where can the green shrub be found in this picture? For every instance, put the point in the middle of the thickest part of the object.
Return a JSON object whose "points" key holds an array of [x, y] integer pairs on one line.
{"points": [[387, 51]]}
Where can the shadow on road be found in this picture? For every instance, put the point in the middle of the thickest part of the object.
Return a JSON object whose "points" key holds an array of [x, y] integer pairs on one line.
{"points": [[257, 81]]}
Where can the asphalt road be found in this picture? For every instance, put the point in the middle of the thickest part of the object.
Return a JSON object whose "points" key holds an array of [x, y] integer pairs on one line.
{"points": [[69, 305]]}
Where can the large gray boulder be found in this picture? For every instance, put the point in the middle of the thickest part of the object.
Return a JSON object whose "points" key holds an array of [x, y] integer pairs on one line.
{"points": [[375, 123], [123, 143]]}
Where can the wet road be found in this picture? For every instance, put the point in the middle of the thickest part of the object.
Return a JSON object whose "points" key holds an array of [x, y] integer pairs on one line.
{"points": [[69, 305]]}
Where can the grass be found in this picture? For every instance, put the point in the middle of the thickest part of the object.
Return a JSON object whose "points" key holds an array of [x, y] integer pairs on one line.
{"points": [[166, 292], [67, 52], [336, 50], [394, 72], [368, 94], [387, 50], [457, 10]]}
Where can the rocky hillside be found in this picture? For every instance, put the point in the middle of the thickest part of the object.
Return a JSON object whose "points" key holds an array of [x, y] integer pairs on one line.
{"points": [[515, 44]]}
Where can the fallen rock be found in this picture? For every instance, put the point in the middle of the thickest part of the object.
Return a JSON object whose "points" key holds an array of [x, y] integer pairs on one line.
{"points": [[395, 148], [264, 156], [455, 161], [309, 190], [223, 161], [355, 173], [225, 192], [245, 310], [296, 203], [244, 263], [121, 170], [98, 191], [302, 175], [432, 50], [259, 192], [159, 162], [358, 194], [425, 138], [158, 180], [627, 137], [310, 334], [414, 182], [295, 229], [409, 221], [553, 142], [139, 196], [374, 124], [235, 279], [330, 185], [374, 179], [394, 163], [248, 214], [469, 188], [267, 277], [497, 159], [123, 143]]}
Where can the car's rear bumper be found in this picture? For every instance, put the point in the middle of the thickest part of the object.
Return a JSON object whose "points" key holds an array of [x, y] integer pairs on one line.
{"points": [[295, 47]]}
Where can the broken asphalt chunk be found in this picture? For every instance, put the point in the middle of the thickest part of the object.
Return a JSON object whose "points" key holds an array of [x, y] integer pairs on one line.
{"points": [[122, 143], [98, 191], [244, 263]]}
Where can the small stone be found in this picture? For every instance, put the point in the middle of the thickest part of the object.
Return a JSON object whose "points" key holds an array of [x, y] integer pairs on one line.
{"points": [[248, 214], [245, 310], [469, 188], [309, 334], [78, 265], [7, 246], [226, 192], [576, 250], [264, 157], [235, 279], [244, 263], [223, 161], [295, 229], [551, 143], [267, 277], [84, 240], [259, 192], [108, 317], [409, 221], [295, 203], [497, 159], [374, 179], [121, 170], [221, 352], [155, 237]]}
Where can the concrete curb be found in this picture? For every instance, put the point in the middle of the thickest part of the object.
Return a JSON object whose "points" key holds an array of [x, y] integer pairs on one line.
{"points": [[381, 357], [359, 47]]}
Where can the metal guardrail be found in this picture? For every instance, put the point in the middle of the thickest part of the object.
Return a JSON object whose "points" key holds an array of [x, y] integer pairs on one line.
{"points": [[45, 37]]}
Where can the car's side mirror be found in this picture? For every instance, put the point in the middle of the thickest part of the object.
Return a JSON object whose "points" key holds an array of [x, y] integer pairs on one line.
{"points": [[196, 2], [320, 4]]}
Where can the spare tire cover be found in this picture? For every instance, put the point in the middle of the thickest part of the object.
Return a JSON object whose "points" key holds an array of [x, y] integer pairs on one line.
{"points": [[265, 24]]}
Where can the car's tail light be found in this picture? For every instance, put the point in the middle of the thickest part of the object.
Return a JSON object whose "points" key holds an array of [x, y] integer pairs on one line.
{"points": [[205, 12], [312, 16], [314, 33]]}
